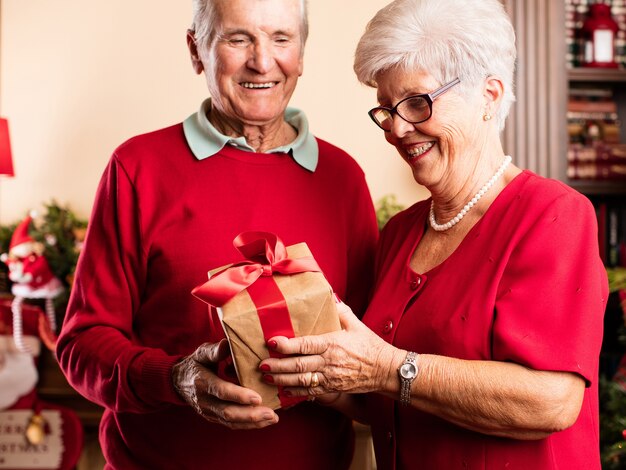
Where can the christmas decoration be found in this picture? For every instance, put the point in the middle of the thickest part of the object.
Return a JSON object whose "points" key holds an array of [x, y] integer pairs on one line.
{"points": [[613, 425], [34, 434], [60, 233], [31, 276], [40, 255]]}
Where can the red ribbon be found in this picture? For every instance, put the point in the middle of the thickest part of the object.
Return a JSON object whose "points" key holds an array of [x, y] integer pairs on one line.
{"points": [[275, 321], [266, 255]]}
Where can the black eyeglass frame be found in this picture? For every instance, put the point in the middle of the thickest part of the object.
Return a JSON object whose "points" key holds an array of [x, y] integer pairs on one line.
{"points": [[428, 97]]}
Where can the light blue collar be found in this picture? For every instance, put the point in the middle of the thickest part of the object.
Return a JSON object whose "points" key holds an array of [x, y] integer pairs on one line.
{"points": [[205, 140]]}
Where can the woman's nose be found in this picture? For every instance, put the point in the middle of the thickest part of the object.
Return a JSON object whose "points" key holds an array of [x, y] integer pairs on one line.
{"points": [[400, 127]]}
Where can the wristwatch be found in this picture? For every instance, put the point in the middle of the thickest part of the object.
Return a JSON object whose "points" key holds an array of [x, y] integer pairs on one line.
{"points": [[407, 373]]}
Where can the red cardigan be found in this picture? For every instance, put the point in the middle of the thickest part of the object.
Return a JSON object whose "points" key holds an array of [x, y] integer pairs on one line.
{"points": [[526, 285], [161, 220]]}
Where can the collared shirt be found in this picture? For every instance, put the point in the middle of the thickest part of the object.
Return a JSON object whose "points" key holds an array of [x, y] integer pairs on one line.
{"points": [[205, 140]]}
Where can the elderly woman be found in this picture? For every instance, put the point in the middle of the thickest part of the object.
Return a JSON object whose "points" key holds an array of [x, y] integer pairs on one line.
{"points": [[482, 339]]}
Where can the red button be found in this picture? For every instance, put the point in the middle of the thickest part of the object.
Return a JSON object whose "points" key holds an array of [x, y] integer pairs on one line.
{"points": [[416, 283], [388, 326]]}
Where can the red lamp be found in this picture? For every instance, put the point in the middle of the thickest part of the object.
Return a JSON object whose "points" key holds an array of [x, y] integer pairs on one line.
{"points": [[6, 160]]}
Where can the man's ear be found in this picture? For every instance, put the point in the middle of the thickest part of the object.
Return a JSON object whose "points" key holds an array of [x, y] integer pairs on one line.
{"points": [[196, 63]]}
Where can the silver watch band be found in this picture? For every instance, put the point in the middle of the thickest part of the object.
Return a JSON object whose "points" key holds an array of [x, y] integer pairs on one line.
{"points": [[405, 383]]}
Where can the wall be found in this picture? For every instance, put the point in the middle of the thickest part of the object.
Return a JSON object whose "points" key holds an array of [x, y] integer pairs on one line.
{"points": [[79, 77]]}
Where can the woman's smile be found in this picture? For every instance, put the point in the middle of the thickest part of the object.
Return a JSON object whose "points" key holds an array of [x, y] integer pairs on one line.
{"points": [[418, 150]]}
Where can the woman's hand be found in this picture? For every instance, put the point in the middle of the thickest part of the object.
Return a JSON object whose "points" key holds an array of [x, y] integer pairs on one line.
{"points": [[353, 360], [217, 400]]}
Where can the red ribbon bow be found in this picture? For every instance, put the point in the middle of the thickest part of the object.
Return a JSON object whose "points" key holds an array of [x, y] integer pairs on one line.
{"points": [[266, 256]]}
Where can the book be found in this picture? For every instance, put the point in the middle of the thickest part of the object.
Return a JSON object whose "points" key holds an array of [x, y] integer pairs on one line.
{"points": [[605, 107], [596, 171], [612, 234]]}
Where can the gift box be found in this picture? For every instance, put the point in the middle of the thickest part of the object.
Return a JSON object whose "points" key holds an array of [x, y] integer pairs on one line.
{"points": [[276, 291]]}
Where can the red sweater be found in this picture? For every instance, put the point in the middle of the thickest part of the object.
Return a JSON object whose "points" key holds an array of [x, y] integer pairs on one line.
{"points": [[161, 219]]}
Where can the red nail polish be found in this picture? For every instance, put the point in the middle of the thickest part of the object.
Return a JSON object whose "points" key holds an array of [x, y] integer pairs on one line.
{"points": [[268, 378], [287, 393], [264, 367], [272, 344]]}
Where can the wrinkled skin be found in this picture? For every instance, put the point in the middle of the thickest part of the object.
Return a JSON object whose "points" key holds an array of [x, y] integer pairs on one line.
{"points": [[353, 359], [217, 400]]}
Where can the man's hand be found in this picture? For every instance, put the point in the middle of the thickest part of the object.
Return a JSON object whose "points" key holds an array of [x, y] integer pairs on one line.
{"points": [[217, 400]]}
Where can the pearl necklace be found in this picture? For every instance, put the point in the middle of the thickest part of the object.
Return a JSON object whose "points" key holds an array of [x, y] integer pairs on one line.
{"points": [[456, 219]]}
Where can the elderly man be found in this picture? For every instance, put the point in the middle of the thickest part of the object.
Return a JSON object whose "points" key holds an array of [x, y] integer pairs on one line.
{"points": [[167, 209]]}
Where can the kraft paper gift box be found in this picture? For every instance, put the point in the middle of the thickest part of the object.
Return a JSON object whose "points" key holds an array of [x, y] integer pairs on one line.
{"points": [[277, 291]]}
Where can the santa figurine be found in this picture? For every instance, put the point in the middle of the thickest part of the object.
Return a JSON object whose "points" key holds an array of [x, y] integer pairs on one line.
{"points": [[31, 276]]}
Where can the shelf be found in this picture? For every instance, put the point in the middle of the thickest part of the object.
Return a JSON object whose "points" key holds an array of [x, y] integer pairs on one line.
{"points": [[596, 188], [596, 75], [613, 79]]}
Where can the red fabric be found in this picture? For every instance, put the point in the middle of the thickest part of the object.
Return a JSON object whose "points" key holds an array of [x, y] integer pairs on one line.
{"points": [[38, 266], [526, 285], [34, 322], [161, 219], [30, 318]]}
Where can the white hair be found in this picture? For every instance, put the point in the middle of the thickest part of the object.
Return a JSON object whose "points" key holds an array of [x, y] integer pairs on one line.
{"points": [[466, 39], [206, 20]]}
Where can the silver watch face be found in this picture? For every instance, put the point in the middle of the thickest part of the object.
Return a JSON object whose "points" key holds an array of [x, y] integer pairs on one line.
{"points": [[408, 371]]}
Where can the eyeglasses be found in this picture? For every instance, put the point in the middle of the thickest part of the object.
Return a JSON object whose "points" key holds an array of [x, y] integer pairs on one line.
{"points": [[413, 109]]}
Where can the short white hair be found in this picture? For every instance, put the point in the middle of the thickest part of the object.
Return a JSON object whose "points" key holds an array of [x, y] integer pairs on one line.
{"points": [[206, 20], [466, 39]]}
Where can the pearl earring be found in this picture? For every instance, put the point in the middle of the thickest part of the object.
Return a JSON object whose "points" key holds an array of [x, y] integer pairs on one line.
{"points": [[486, 116]]}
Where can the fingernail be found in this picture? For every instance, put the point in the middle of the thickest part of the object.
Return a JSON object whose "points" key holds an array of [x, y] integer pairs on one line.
{"points": [[272, 344], [268, 378], [337, 299], [287, 393], [268, 416], [264, 367]]}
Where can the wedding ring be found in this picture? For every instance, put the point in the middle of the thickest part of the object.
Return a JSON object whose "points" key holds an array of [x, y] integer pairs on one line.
{"points": [[315, 382]]}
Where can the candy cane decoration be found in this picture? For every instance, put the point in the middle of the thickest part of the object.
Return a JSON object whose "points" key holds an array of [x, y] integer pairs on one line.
{"points": [[50, 314], [18, 335]]}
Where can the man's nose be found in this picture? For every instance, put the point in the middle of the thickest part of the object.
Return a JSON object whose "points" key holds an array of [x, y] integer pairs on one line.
{"points": [[261, 57]]}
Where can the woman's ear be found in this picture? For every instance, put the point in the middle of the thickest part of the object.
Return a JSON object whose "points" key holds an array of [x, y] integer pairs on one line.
{"points": [[196, 62], [492, 94]]}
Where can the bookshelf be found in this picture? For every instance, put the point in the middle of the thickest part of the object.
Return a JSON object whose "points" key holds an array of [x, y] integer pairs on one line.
{"points": [[538, 133], [605, 103], [611, 149], [596, 102], [595, 161]]}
